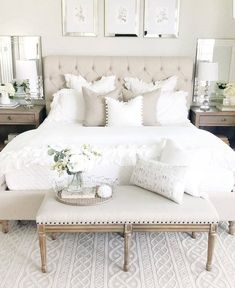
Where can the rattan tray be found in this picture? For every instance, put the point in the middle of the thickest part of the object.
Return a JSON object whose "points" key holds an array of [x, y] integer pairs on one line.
{"points": [[82, 201]]}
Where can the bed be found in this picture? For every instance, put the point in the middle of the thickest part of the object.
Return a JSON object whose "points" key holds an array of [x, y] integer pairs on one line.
{"points": [[24, 163]]}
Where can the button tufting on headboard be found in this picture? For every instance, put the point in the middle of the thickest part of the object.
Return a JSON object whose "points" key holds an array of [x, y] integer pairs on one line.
{"points": [[94, 67]]}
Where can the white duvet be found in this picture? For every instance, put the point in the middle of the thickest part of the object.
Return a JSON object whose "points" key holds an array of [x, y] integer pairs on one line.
{"points": [[119, 145]]}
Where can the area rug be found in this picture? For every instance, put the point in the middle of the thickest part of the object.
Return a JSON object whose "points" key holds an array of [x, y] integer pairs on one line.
{"points": [[88, 260]]}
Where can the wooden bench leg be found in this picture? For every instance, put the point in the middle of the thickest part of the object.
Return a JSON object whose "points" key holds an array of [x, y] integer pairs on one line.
{"points": [[5, 226], [232, 228], [127, 242], [42, 245], [211, 246]]}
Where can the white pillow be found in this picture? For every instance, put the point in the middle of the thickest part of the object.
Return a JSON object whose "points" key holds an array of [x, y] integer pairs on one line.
{"points": [[164, 179], [124, 113], [172, 108], [104, 85], [76, 82], [196, 161], [68, 105], [138, 86]]}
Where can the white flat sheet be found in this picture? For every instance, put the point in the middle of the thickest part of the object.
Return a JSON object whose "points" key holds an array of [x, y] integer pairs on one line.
{"points": [[119, 147]]}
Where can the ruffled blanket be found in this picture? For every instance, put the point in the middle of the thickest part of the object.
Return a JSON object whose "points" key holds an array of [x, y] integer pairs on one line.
{"points": [[117, 144]]}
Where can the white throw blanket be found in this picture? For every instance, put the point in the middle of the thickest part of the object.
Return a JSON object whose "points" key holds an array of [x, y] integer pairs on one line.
{"points": [[119, 145]]}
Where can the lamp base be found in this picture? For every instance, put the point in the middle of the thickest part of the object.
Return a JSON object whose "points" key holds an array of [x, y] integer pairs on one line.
{"points": [[205, 106]]}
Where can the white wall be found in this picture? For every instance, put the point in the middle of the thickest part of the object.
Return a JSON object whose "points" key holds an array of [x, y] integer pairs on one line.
{"points": [[198, 19]]}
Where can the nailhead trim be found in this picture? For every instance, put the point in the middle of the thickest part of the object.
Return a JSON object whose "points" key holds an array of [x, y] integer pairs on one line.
{"points": [[125, 222]]}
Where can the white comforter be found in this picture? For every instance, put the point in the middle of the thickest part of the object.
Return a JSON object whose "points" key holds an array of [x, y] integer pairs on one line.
{"points": [[118, 145]]}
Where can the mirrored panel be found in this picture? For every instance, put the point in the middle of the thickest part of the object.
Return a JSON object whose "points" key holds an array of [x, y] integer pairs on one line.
{"points": [[220, 53], [21, 64]]}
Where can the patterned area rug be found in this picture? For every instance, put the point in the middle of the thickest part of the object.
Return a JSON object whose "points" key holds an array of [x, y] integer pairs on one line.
{"points": [[164, 260]]}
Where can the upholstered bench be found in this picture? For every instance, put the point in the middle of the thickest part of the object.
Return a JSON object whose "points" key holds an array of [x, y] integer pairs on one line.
{"points": [[131, 209]]}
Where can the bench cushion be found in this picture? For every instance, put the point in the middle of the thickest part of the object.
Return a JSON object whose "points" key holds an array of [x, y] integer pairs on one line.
{"points": [[130, 204]]}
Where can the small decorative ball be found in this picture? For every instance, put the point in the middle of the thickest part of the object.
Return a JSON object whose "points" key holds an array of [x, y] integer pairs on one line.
{"points": [[104, 191]]}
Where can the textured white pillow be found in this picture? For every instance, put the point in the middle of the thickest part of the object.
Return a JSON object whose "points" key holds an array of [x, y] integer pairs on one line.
{"points": [[172, 108], [104, 85], [124, 113], [138, 86], [164, 179], [196, 161]]}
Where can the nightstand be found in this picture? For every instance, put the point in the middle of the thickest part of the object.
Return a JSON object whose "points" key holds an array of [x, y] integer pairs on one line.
{"points": [[19, 120], [214, 119]]}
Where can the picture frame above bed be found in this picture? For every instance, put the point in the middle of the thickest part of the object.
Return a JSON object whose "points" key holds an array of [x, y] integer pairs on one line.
{"points": [[122, 18], [80, 17], [161, 18]]}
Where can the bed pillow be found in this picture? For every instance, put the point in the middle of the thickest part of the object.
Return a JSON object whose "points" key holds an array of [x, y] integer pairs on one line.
{"points": [[104, 85], [149, 104], [164, 179], [138, 86], [95, 106], [196, 161], [172, 108], [124, 113], [67, 106]]}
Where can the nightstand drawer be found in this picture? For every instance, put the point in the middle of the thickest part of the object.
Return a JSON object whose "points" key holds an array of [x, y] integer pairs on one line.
{"points": [[217, 120], [17, 118]]}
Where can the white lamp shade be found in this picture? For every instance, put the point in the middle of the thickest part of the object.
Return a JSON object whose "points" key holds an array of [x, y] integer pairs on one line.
{"points": [[207, 71], [26, 69]]}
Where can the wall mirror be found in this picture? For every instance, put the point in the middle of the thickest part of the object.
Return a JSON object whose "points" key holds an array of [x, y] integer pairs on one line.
{"points": [[222, 53], [20, 60]]}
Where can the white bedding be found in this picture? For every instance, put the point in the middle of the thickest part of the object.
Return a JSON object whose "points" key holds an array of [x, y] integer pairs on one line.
{"points": [[25, 158]]}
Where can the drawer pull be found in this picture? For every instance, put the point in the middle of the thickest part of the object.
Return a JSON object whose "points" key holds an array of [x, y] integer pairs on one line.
{"points": [[223, 119], [9, 118]]}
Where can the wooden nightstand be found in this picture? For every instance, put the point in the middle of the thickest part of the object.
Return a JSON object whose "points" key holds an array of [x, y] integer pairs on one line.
{"points": [[19, 120], [214, 119]]}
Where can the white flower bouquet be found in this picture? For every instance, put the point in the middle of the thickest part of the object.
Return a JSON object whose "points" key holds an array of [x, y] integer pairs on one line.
{"points": [[7, 88], [74, 163], [70, 162], [229, 91]]}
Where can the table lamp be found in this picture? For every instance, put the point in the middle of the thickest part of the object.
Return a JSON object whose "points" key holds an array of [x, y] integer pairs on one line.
{"points": [[208, 72]]}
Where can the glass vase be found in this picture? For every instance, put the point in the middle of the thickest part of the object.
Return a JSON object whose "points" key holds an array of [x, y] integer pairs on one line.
{"points": [[76, 184]]}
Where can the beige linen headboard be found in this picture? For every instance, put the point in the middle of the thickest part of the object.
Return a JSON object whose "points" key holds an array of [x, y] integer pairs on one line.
{"points": [[94, 67]]}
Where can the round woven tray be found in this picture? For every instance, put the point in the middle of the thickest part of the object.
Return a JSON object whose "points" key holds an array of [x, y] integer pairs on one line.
{"points": [[83, 201]]}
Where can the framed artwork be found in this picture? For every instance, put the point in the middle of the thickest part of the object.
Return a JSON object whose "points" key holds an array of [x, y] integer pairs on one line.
{"points": [[122, 18], [80, 17], [234, 9], [161, 18]]}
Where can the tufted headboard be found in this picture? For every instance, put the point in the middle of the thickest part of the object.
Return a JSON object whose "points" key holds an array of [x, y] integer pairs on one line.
{"points": [[94, 67]]}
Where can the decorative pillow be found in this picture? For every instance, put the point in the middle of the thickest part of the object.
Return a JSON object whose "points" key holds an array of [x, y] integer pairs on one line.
{"points": [[164, 179], [196, 161], [124, 113], [95, 106], [139, 86], [104, 85], [172, 108], [149, 105]]}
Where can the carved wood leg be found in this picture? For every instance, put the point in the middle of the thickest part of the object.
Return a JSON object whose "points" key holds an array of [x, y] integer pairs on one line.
{"points": [[211, 246], [232, 228], [42, 245], [194, 235], [5, 226], [127, 242]]}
